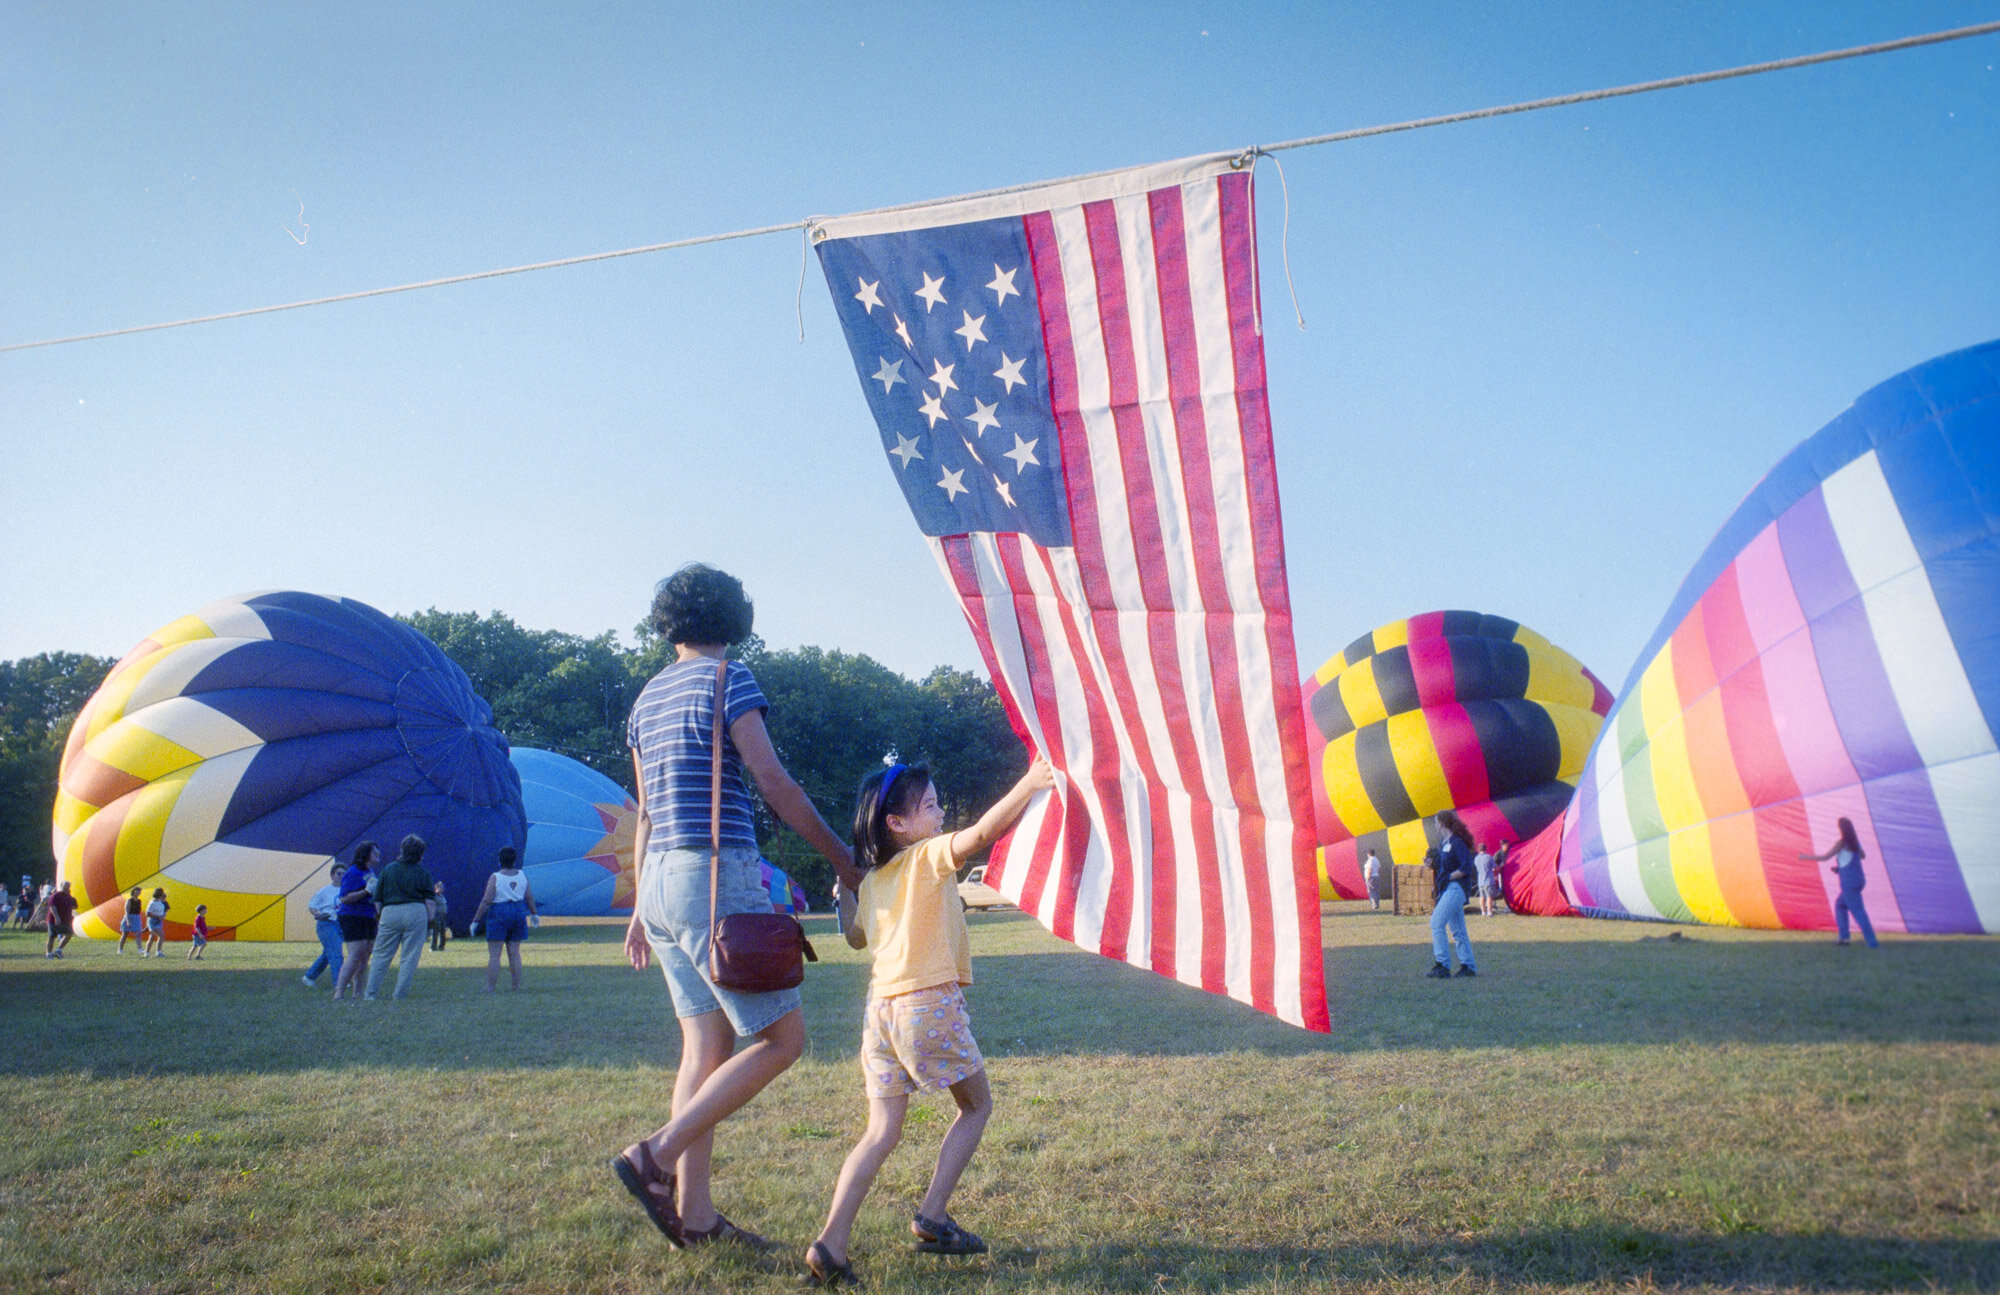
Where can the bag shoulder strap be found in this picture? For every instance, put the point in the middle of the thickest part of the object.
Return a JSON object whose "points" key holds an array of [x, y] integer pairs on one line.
{"points": [[715, 796]]}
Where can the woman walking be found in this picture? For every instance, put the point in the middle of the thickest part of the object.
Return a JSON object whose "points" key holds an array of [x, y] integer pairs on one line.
{"points": [[1454, 872], [504, 908], [356, 916], [404, 891], [701, 611], [1847, 855]]}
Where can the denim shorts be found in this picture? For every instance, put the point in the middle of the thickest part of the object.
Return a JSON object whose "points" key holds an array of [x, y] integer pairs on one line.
{"points": [[673, 908], [507, 921]]}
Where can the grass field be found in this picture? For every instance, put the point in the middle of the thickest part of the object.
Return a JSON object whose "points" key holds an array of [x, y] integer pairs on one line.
{"points": [[1603, 1109]]}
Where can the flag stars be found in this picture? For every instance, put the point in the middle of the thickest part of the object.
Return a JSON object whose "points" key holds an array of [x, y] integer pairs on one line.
{"points": [[1002, 286], [982, 415], [973, 450], [1023, 454], [1004, 490], [869, 297], [889, 374], [903, 331], [1009, 372], [974, 330], [932, 292], [941, 375], [933, 408], [906, 449], [953, 484]]}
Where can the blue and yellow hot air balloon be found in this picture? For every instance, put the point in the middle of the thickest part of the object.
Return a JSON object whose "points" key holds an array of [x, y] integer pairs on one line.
{"points": [[1834, 654], [232, 754], [580, 835]]}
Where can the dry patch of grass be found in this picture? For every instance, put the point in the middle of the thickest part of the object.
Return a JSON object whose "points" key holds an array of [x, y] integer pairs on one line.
{"points": [[1598, 1111]]}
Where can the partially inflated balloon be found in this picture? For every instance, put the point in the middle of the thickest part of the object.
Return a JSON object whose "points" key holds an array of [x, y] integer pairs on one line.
{"points": [[787, 896], [232, 755], [580, 832], [1835, 653], [1448, 710]]}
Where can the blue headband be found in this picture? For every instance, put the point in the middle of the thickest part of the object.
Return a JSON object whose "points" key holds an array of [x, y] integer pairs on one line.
{"points": [[889, 780]]}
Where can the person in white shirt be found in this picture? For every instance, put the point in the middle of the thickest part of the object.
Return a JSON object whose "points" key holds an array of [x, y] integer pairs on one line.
{"points": [[1371, 873], [324, 906]]}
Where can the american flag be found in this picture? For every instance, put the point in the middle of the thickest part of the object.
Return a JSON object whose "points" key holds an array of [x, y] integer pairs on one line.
{"points": [[1069, 384]]}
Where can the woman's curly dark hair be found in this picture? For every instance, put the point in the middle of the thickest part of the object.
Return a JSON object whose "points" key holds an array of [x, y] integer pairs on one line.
{"points": [[698, 604]]}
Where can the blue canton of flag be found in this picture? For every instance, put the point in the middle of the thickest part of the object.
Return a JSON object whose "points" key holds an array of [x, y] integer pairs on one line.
{"points": [[948, 342]]}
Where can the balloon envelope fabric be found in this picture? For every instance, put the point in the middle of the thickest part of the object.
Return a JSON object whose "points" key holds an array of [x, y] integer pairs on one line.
{"points": [[1448, 710], [580, 836], [232, 755], [1834, 653]]}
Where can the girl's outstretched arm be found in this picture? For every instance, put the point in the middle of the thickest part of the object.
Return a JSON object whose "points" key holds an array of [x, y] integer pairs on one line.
{"points": [[968, 841]]}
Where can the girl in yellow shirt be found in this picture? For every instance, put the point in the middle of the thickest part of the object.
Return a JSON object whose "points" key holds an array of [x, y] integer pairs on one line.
{"points": [[918, 1035]]}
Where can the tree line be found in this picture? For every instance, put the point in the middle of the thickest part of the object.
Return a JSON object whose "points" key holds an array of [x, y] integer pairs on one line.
{"points": [[834, 717]]}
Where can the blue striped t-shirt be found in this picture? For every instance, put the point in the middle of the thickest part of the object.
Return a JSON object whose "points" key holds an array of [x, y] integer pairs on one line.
{"points": [[670, 726]]}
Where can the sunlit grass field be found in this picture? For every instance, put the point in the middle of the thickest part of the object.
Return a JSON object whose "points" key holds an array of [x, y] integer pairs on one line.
{"points": [[1603, 1109]]}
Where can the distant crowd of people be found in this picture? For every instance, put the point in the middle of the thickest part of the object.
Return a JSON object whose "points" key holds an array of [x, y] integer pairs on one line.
{"points": [[370, 917]]}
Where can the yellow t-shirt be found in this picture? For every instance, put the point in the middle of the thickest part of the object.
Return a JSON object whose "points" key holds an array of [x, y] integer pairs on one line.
{"points": [[910, 912]]}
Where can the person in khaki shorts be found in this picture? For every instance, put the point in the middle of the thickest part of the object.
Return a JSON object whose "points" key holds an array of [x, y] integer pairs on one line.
{"points": [[918, 1034]]}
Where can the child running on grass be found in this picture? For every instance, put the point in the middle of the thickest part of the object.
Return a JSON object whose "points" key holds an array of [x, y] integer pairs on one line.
{"points": [[918, 1035], [199, 936]]}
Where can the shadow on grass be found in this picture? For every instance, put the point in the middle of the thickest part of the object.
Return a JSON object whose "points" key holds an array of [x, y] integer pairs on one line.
{"points": [[1591, 1256], [582, 1008]]}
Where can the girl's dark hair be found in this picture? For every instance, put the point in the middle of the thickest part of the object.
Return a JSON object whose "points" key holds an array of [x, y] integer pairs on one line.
{"points": [[412, 849], [1452, 823], [507, 856], [1849, 839], [894, 790], [698, 604], [364, 852]]}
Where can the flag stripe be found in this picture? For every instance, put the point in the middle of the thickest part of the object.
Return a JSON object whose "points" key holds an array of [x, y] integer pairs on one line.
{"points": [[1128, 447], [1238, 786], [1095, 580]]}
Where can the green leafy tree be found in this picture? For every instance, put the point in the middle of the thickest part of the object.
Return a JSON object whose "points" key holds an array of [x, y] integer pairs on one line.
{"points": [[39, 700]]}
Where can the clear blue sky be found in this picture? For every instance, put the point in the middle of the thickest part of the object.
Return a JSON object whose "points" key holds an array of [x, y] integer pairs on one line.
{"points": [[1546, 354]]}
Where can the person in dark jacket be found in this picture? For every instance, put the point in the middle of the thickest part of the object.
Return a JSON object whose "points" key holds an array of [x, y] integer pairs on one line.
{"points": [[1451, 879], [405, 891]]}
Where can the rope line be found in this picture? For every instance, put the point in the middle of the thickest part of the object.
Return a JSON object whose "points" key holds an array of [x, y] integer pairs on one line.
{"points": [[1365, 132], [1644, 87]]}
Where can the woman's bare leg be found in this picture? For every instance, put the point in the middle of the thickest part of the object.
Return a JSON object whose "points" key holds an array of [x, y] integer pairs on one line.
{"points": [[717, 1085]]}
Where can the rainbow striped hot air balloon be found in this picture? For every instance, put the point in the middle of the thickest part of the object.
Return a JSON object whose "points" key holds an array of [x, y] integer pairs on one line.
{"points": [[233, 754], [1835, 653], [1448, 710]]}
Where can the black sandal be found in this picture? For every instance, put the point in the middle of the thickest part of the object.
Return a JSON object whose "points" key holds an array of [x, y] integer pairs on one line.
{"points": [[945, 1237], [821, 1270], [724, 1230], [640, 1183]]}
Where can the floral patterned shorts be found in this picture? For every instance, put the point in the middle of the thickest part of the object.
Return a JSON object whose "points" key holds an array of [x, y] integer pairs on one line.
{"points": [[919, 1040]]}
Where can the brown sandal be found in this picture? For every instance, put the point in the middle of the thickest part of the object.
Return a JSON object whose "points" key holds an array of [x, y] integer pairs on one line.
{"points": [[640, 1181]]}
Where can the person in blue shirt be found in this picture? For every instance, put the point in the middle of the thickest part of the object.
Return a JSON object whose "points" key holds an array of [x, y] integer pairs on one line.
{"points": [[356, 916], [1451, 876], [1847, 855]]}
